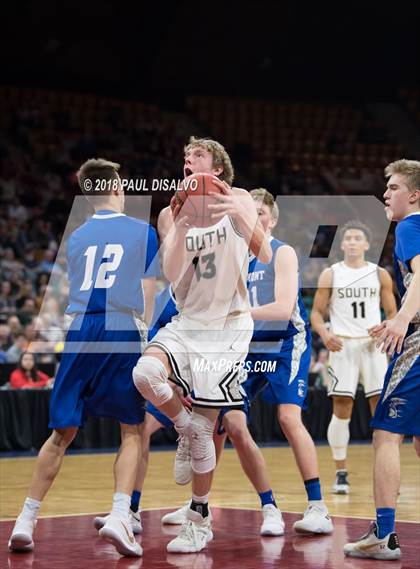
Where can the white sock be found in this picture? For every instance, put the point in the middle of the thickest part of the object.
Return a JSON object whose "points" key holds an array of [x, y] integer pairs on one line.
{"points": [[121, 505], [201, 499], [338, 436], [181, 420], [30, 509]]}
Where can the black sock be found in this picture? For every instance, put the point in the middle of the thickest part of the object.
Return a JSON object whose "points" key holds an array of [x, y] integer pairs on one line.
{"points": [[202, 509]]}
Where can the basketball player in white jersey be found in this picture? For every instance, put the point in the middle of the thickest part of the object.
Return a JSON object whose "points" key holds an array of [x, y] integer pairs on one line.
{"points": [[352, 291], [207, 269]]}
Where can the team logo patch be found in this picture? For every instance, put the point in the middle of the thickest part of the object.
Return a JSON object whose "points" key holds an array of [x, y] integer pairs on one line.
{"points": [[394, 412], [301, 388]]}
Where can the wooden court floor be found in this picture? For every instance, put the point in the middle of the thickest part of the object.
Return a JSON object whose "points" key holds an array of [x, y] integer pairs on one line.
{"points": [[67, 539], [85, 484]]}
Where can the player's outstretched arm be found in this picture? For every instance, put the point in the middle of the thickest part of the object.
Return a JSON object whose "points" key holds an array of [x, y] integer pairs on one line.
{"points": [[172, 237], [390, 334], [285, 288], [319, 311], [388, 301], [240, 206]]}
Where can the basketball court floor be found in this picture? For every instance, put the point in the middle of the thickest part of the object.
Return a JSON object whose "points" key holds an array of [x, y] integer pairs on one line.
{"points": [[65, 536]]}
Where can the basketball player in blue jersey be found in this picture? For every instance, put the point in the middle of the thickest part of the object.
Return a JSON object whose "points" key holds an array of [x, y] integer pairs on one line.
{"points": [[109, 257], [282, 336], [352, 292], [207, 268], [398, 410]]}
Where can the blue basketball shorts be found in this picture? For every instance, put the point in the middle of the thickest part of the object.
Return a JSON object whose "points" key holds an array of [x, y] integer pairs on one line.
{"points": [[398, 408], [281, 377], [95, 373]]}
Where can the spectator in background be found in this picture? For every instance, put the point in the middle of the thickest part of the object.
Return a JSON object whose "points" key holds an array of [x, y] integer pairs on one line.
{"points": [[15, 326], [5, 337], [19, 345], [27, 310], [27, 376], [7, 298], [47, 263]]}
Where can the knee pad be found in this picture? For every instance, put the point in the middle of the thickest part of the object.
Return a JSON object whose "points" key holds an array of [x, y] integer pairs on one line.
{"points": [[151, 379], [338, 436], [203, 453]]}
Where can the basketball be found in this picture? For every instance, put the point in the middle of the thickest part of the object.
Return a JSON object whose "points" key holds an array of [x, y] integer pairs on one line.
{"points": [[194, 194]]}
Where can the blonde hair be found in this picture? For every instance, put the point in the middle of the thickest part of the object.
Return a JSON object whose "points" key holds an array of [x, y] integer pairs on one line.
{"points": [[221, 158], [408, 168], [261, 194]]}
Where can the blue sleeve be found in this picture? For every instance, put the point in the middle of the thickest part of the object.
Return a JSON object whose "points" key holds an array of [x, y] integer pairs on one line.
{"points": [[152, 268], [69, 254], [408, 239]]}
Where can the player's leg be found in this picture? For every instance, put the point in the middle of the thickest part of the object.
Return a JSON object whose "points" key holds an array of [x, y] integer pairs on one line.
{"points": [[254, 466], [150, 426], [373, 401], [126, 467], [196, 532], [47, 466], [338, 435], [416, 443], [397, 413], [381, 541], [179, 516], [374, 365], [219, 440], [386, 476], [150, 376], [287, 387], [316, 518], [303, 447], [344, 370]]}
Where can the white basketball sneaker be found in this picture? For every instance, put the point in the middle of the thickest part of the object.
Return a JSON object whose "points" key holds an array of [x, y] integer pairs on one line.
{"points": [[21, 538], [182, 466], [371, 546], [273, 523], [194, 535], [177, 517], [118, 532], [315, 520], [135, 520]]}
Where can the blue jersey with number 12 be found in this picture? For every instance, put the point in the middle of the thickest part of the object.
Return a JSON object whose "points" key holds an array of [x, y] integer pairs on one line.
{"points": [[107, 257]]}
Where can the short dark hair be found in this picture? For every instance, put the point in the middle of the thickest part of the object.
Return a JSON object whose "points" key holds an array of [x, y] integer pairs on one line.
{"points": [[356, 224], [92, 172]]}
